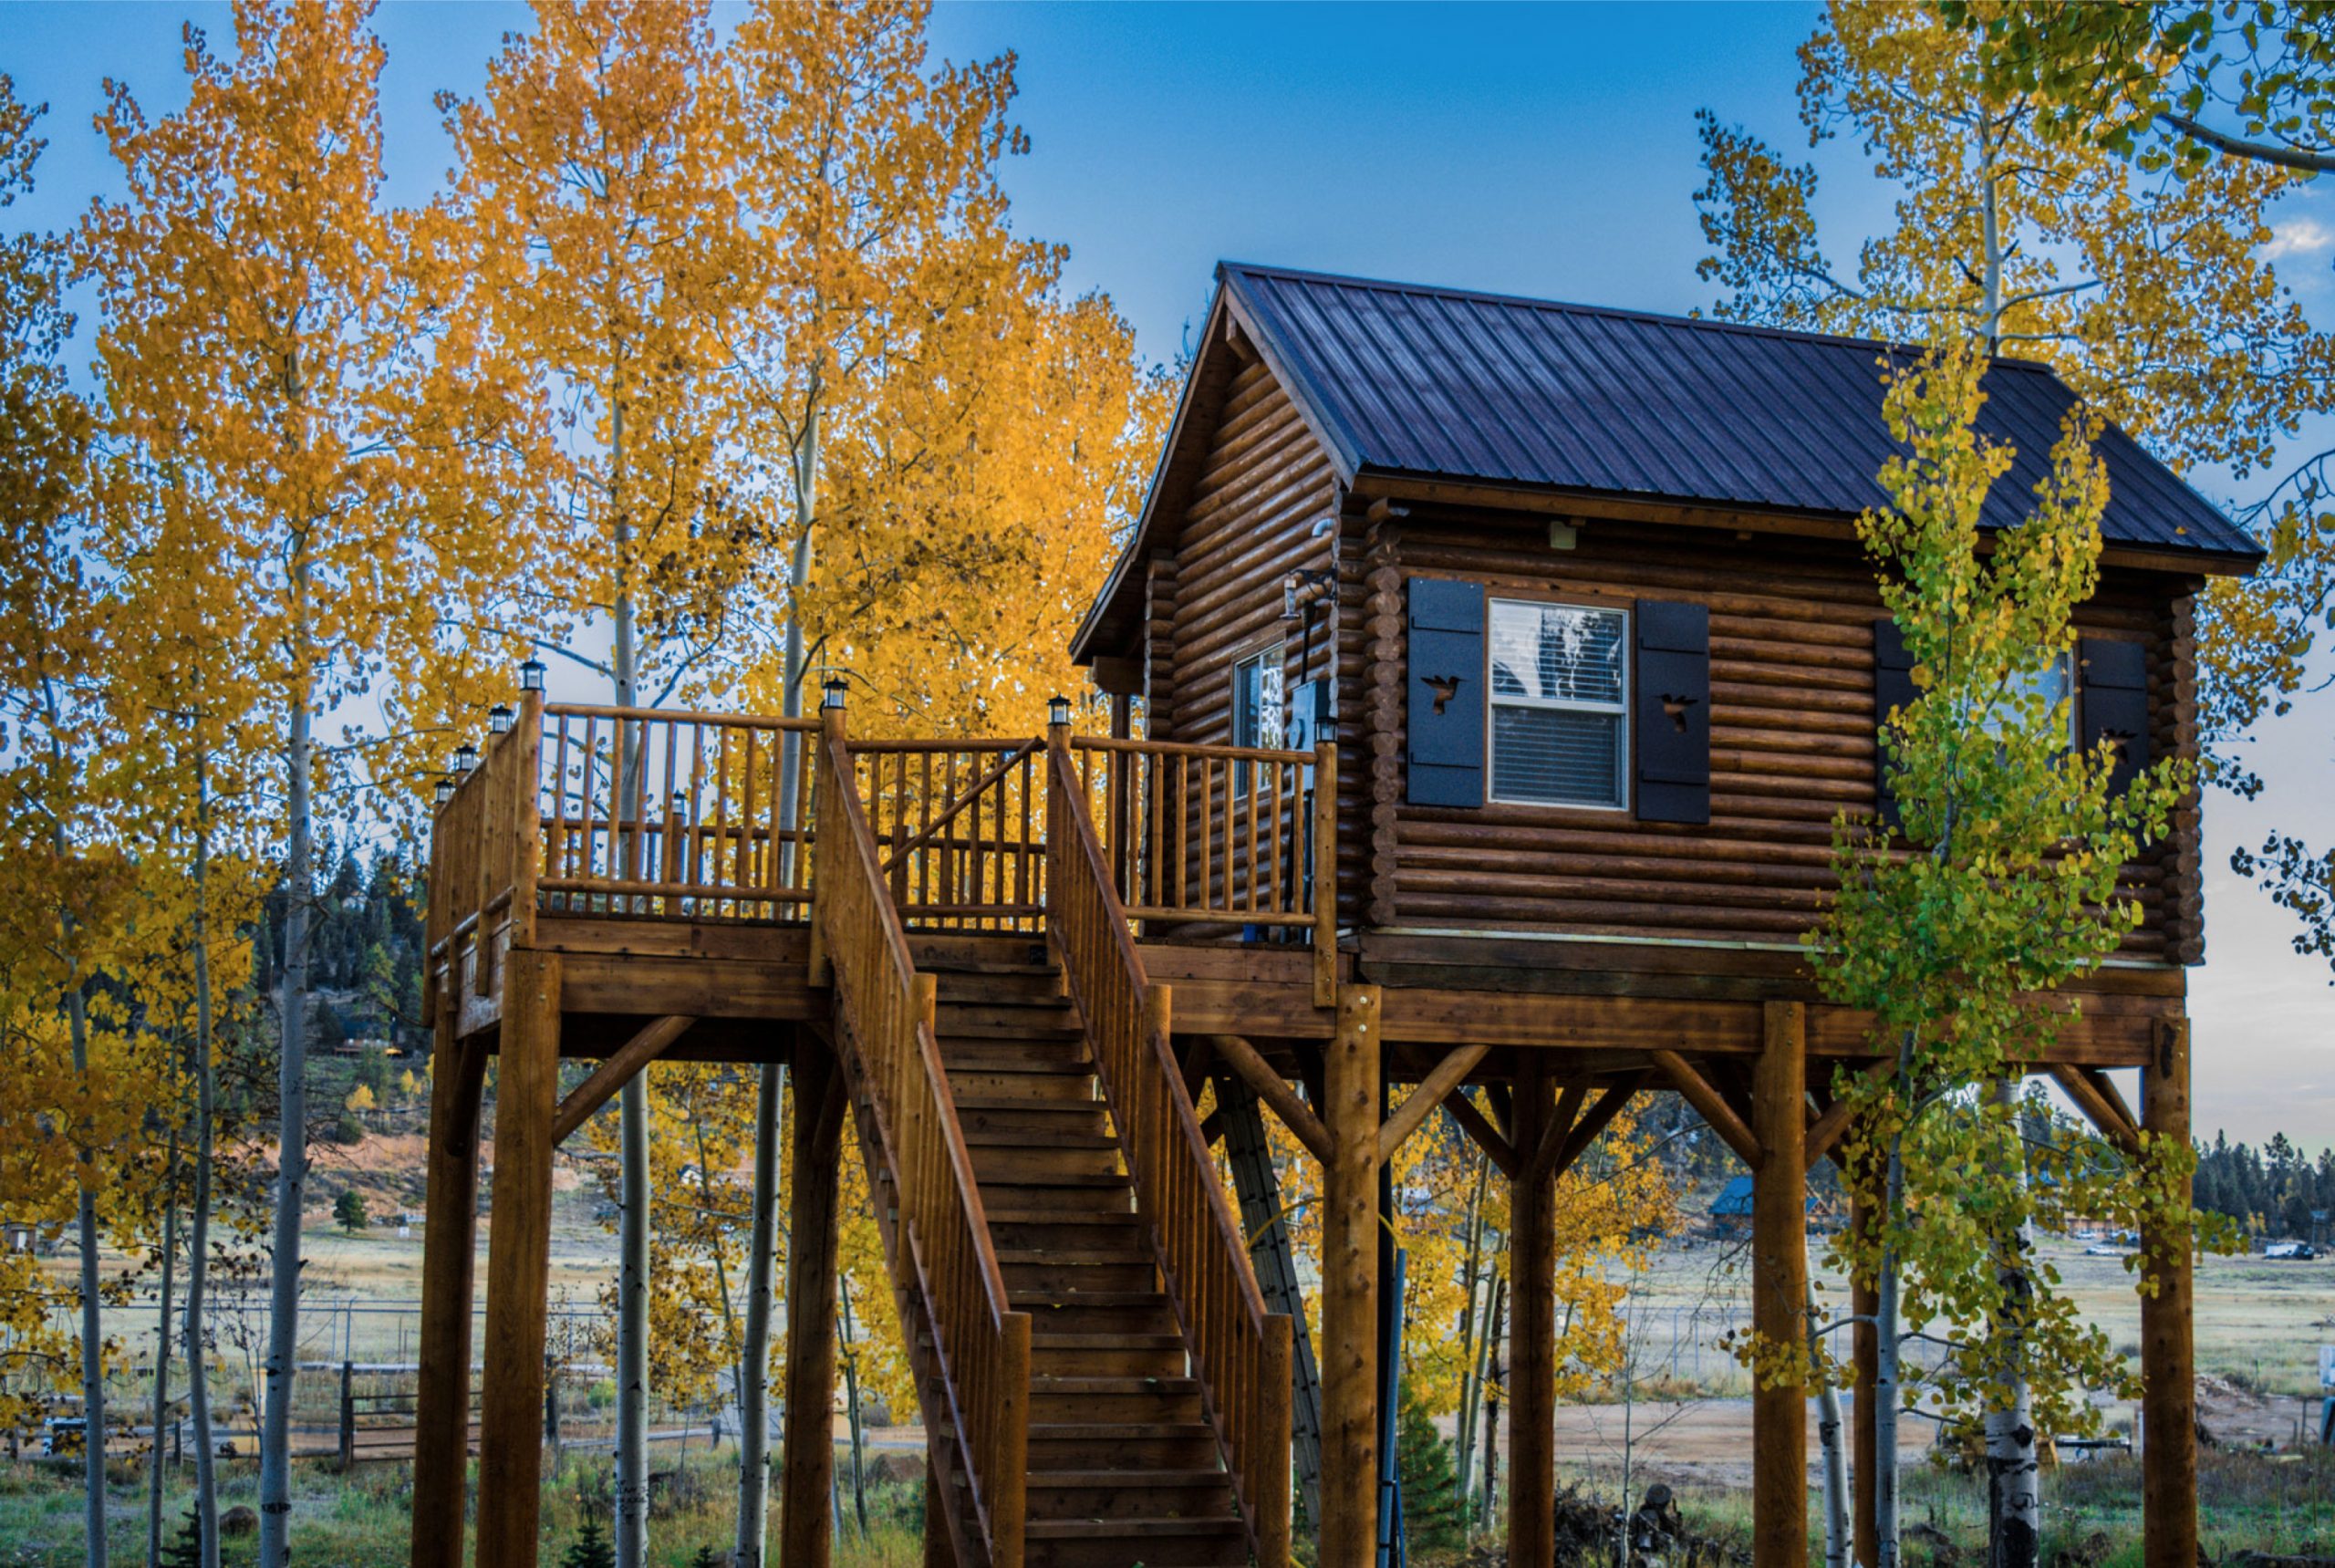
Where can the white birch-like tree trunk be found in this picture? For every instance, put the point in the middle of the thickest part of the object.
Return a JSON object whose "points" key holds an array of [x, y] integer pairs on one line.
{"points": [[198, 1271], [1831, 1442], [292, 1144], [162, 1351], [2014, 1475]]}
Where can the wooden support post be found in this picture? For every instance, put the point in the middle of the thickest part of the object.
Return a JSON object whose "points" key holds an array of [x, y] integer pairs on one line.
{"points": [[348, 1418], [2168, 1349], [448, 1243], [1350, 1284], [1532, 1323], [518, 1266], [806, 1524], [1779, 1289]]}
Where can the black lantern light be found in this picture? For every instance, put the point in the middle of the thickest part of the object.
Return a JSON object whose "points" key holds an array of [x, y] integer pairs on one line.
{"points": [[445, 790], [530, 675], [1058, 709], [833, 689], [465, 758], [498, 718]]}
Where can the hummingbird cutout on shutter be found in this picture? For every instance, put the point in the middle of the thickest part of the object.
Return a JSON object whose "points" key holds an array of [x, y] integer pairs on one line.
{"points": [[1677, 708], [1445, 686]]}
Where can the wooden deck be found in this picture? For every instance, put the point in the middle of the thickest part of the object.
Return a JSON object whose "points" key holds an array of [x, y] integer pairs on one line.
{"points": [[624, 885]]}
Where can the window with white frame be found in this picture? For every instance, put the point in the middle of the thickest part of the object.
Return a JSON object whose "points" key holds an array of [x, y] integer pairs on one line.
{"points": [[1256, 706], [1560, 705]]}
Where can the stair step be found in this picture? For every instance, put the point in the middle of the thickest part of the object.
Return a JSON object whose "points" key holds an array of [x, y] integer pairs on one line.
{"points": [[1106, 1355], [1065, 1083], [1034, 1302], [1122, 1529], [1077, 1281], [1126, 1548], [1121, 1445], [961, 1055], [1120, 1405], [1159, 1494], [1005, 1020], [1047, 1224], [1066, 1141]]}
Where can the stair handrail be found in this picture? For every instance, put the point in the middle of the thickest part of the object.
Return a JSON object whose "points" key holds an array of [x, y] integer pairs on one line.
{"points": [[1240, 1352], [983, 1345]]}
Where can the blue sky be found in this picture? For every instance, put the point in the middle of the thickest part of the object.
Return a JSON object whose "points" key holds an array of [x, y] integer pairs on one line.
{"points": [[1540, 150]]}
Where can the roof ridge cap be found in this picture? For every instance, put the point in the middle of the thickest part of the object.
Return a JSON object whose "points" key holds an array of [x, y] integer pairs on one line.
{"points": [[1611, 312]]}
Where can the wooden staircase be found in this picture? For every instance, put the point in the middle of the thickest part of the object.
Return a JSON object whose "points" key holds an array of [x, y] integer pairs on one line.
{"points": [[1101, 1384], [1124, 1465]]}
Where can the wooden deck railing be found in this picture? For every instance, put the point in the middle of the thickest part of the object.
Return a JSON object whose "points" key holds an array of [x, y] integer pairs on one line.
{"points": [[1239, 1352], [943, 1237], [1220, 835], [960, 828], [483, 857], [658, 813]]}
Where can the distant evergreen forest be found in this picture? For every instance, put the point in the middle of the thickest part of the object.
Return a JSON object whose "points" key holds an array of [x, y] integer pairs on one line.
{"points": [[365, 948], [2275, 1191]]}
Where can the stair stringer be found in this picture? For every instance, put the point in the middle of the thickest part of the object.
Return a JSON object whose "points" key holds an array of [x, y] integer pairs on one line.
{"points": [[943, 1438]]}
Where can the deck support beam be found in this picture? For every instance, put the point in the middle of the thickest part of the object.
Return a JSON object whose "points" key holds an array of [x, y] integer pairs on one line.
{"points": [[2168, 1346], [1536, 1121], [1779, 1289], [449, 1244], [518, 1265], [1353, 1066], [805, 1519]]}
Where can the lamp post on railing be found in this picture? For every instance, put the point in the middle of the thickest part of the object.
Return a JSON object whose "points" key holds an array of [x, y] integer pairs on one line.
{"points": [[530, 675], [1058, 712], [498, 718], [465, 759], [445, 790]]}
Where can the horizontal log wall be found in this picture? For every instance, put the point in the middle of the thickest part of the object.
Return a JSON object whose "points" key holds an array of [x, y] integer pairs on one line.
{"points": [[1247, 525], [1793, 740]]}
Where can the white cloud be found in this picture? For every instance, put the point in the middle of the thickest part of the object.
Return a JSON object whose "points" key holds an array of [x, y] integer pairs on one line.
{"points": [[2299, 237]]}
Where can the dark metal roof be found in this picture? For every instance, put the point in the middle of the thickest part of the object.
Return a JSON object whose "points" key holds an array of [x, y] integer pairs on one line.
{"points": [[1442, 384]]}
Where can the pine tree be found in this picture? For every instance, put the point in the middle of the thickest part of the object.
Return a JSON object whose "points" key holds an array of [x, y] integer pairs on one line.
{"points": [[185, 1548], [1432, 1521], [590, 1548]]}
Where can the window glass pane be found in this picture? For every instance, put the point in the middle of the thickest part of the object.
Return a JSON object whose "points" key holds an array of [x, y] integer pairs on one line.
{"points": [[1564, 653], [2055, 683], [1564, 757], [1257, 700]]}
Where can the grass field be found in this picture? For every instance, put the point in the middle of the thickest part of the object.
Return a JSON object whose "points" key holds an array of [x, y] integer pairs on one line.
{"points": [[2249, 1502]]}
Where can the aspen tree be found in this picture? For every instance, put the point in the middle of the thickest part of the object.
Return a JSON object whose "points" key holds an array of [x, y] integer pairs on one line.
{"points": [[2034, 158], [2011, 888], [594, 218], [256, 331]]}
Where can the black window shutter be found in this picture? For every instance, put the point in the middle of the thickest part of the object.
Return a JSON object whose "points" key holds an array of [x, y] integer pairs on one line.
{"points": [[2114, 680], [1892, 687], [1445, 720], [1670, 710]]}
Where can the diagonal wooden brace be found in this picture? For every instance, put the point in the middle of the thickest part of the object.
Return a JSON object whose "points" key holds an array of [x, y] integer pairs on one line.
{"points": [[612, 1074]]}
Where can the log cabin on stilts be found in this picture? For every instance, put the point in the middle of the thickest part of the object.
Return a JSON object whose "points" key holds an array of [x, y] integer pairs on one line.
{"points": [[1502, 666]]}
